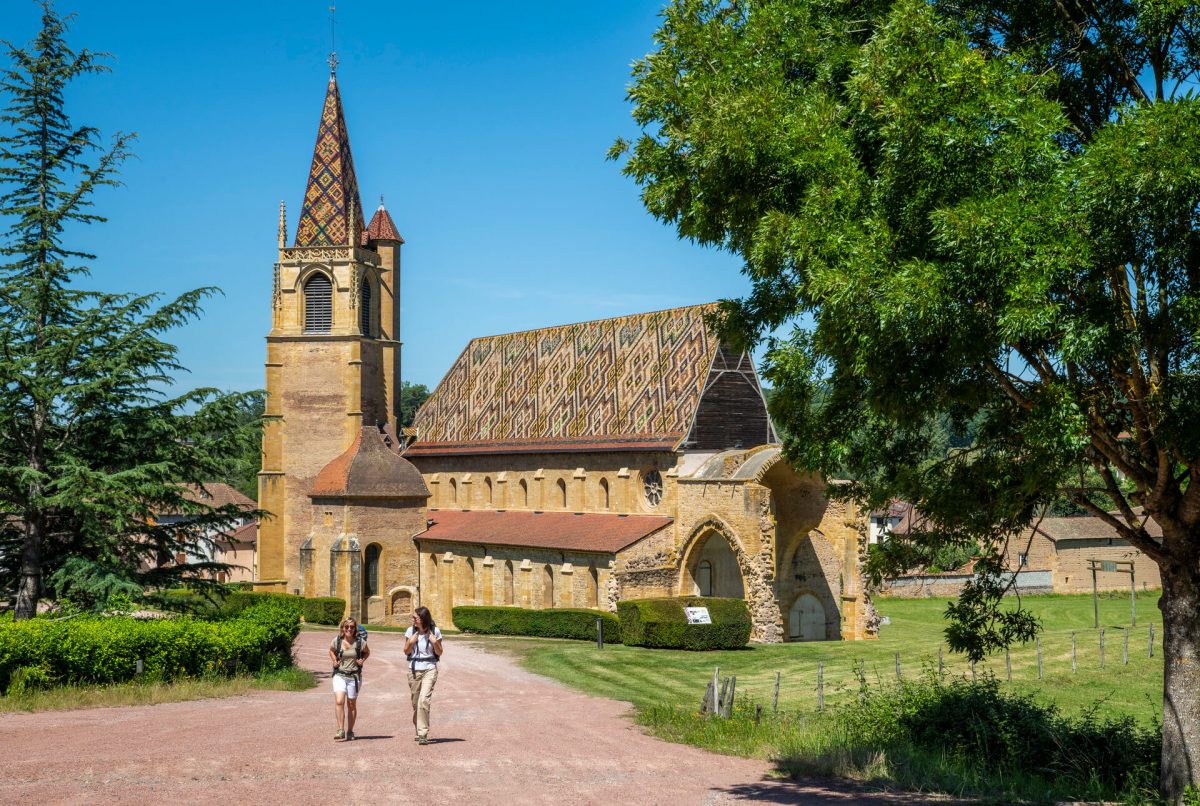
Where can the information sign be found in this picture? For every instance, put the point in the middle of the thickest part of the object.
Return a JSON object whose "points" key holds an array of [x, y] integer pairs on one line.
{"points": [[697, 615]]}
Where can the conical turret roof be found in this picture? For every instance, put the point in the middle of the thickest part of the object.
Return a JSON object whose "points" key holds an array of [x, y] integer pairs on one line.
{"points": [[331, 202], [382, 228]]}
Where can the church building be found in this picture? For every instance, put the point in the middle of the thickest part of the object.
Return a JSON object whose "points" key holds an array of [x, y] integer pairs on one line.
{"points": [[571, 466]]}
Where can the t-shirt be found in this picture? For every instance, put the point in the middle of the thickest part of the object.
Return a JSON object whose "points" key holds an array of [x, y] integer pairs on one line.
{"points": [[422, 649], [347, 665]]}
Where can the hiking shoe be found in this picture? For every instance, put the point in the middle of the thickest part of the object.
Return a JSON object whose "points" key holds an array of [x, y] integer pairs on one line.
{"points": [[349, 735], [341, 734], [422, 740]]}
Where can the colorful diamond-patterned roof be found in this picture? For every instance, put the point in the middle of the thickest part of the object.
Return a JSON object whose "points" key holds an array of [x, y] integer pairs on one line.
{"points": [[381, 228], [332, 193], [632, 383]]}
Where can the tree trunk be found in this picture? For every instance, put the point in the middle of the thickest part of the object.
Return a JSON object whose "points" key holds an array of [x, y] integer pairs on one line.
{"points": [[30, 586], [1180, 605]]}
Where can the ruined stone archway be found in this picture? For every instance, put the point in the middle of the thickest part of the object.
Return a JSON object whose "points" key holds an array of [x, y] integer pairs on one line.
{"points": [[753, 574]]}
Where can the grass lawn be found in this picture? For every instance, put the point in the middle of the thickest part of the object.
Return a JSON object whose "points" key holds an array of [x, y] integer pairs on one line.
{"points": [[648, 677], [68, 697]]}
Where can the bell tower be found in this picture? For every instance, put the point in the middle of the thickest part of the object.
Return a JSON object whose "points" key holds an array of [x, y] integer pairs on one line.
{"points": [[333, 353]]}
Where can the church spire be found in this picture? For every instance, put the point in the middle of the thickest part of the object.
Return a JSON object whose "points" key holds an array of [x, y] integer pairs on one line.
{"points": [[331, 203]]}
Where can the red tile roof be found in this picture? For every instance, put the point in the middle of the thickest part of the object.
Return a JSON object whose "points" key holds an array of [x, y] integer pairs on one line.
{"points": [[381, 228], [217, 494], [565, 531], [245, 536], [369, 469]]}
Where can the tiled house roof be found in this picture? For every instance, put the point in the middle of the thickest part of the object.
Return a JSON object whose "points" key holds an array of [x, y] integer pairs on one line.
{"points": [[557, 530], [633, 382], [217, 494], [331, 199]]}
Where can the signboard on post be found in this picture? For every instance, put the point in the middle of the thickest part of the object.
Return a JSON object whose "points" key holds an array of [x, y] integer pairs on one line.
{"points": [[697, 615]]}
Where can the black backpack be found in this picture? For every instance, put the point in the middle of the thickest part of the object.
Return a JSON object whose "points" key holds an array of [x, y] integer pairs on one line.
{"points": [[360, 640]]}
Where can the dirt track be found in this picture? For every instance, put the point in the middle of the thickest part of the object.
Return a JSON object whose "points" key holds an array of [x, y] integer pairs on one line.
{"points": [[500, 735]]}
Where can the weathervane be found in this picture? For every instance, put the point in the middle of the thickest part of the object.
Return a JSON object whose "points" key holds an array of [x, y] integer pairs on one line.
{"points": [[333, 60]]}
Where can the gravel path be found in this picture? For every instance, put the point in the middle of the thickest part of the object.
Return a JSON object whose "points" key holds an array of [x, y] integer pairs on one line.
{"points": [[500, 735]]}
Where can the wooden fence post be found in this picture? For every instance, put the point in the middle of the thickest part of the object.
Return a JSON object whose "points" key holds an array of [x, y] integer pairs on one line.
{"points": [[820, 686], [1125, 655], [898, 666], [1008, 664], [706, 703], [1102, 649], [1151, 641], [732, 691], [775, 698], [757, 714], [723, 700]]}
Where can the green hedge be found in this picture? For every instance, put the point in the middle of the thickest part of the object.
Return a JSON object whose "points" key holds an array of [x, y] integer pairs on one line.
{"points": [[579, 624], [661, 623], [106, 650], [317, 610], [323, 610]]}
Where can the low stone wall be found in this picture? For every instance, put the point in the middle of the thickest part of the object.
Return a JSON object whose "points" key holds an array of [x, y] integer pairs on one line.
{"points": [[928, 586]]}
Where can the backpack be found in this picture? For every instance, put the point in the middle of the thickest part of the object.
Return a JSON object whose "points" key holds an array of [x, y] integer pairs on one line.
{"points": [[360, 640]]}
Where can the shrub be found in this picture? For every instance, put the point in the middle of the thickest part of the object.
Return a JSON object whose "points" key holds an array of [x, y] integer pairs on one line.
{"points": [[323, 610], [30, 678], [106, 650], [985, 730], [237, 601], [579, 624], [661, 623]]}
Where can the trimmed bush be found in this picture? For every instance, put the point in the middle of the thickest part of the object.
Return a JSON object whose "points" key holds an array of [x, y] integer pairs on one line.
{"points": [[579, 624], [662, 624], [323, 610], [106, 650]]}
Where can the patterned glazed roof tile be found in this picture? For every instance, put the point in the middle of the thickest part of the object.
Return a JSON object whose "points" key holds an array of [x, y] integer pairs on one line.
{"points": [[381, 228], [369, 469], [638, 376], [331, 198], [600, 533], [630, 443]]}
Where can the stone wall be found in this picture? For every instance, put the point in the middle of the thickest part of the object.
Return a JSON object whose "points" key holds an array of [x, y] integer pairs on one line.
{"points": [[455, 574]]}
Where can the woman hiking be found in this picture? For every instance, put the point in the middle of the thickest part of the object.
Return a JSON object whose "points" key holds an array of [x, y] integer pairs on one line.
{"points": [[423, 646], [348, 653]]}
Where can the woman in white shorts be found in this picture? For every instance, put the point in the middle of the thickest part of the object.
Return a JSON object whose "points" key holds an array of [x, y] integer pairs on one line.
{"points": [[347, 654]]}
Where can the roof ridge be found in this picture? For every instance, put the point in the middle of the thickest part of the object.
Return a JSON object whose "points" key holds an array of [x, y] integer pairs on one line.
{"points": [[595, 321]]}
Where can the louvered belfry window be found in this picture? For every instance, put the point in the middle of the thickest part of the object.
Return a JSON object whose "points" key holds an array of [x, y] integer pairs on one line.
{"points": [[318, 304], [364, 311]]}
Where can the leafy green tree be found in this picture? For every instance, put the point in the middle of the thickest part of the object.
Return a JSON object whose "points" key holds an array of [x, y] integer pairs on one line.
{"points": [[987, 210], [412, 395], [91, 444]]}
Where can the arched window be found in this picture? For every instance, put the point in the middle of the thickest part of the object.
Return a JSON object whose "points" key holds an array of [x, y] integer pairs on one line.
{"points": [[453, 491], [562, 493], [548, 587], [318, 304], [524, 493], [429, 597], [593, 587], [510, 587], [704, 578], [604, 493], [364, 308], [487, 490], [467, 594], [371, 569]]}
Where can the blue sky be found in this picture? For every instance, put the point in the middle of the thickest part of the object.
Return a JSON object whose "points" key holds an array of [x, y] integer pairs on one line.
{"points": [[484, 124]]}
